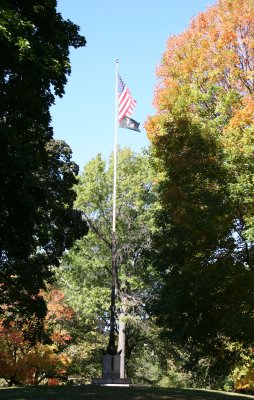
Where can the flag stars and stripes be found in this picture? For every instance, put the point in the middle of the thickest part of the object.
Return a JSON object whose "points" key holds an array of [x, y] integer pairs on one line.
{"points": [[126, 102]]}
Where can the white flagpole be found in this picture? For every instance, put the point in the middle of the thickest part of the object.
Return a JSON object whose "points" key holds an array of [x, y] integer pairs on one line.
{"points": [[115, 150], [111, 349]]}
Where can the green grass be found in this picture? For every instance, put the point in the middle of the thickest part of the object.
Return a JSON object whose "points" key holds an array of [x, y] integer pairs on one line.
{"points": [[112, 393]]}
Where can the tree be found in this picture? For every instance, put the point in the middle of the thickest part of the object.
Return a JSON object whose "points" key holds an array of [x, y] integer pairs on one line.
{"points": [[202, 139], [23, 362], [85, 272], [37, 175]]}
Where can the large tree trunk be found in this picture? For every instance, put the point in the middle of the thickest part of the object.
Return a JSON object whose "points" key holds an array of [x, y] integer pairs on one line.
{"points": [[121, 339]]}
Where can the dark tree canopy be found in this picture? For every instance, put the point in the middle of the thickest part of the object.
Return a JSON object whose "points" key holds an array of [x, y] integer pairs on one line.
{"points": [[202, 136], [37, 221]]}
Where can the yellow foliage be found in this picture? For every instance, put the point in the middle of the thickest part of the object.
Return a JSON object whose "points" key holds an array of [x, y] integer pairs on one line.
{"points": [[244, 378]]}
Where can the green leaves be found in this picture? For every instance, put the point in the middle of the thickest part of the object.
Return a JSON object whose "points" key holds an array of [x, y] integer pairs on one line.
{"points": [[85, 271], [37, 220], [202, 138]]}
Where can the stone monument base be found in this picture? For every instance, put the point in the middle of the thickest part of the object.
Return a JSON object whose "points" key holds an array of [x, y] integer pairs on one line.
{"points": [[111, 372], [111, 382]]}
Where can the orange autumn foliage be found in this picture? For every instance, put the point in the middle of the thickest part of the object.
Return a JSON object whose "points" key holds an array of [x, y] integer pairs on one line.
{"points": [[24, 363], [216, 50], [202, 140], [244, 116], [57, 309], [58, 312]]}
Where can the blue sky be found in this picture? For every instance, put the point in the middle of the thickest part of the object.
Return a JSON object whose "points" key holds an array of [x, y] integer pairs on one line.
{"points": [[136, 32]]}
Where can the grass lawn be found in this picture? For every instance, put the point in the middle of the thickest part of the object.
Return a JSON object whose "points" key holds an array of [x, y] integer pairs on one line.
{"points": [[112, 393]]}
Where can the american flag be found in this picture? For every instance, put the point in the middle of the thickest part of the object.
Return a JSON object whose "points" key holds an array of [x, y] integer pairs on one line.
{"points": [[126, 102]]}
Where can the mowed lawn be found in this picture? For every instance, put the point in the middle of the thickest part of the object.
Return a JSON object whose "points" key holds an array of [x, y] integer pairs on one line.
{"points": [[112, 393]]}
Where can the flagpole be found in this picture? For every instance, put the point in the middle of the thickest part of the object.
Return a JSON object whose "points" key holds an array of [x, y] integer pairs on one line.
{"points": [[115, 149], [111, 349]]}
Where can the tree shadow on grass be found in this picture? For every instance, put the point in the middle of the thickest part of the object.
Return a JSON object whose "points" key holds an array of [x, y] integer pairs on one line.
{"points": [[90, 392]]}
